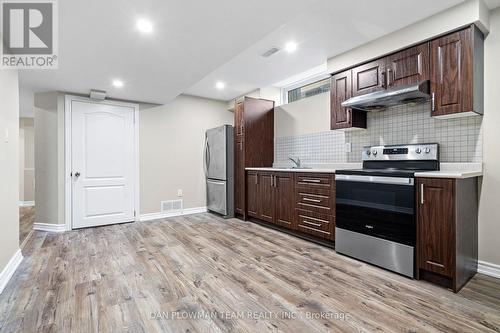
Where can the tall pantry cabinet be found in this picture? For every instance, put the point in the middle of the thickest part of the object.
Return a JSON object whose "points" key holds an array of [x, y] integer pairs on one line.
{"points": [[254, 143]]}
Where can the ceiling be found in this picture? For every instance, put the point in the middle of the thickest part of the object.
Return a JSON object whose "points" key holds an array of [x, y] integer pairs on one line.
{"points": [[98, 42], [326, 29], [197, 43]]}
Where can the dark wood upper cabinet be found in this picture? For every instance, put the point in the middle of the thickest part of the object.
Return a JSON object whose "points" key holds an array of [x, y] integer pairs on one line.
{"points": [[284, 199], [369, 77], [447, 230], [254, 143], [457, 66], [453, 63], [238, 120], [408, 66], [341, 117]]}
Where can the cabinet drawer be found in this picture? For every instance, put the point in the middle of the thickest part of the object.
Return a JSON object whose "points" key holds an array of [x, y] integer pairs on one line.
{"points": [[321, 203], [315, 183], [320, 225], [314, 179]]}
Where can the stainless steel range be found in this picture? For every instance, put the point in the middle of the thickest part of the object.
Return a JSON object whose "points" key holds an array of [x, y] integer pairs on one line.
{"points": [[375, 206]]}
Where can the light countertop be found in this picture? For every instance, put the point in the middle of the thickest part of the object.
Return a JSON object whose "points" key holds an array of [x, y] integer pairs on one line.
{"points": [[448, 170], [316, 168], [454, 170]]}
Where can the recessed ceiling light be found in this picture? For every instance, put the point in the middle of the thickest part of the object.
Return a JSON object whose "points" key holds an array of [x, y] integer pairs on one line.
{"points": [[220, 85], [118, 83], [145, 26], [291, 47]]}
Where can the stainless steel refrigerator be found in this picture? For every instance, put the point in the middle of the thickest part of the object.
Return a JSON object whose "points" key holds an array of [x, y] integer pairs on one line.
{"points": [[219, 170]]}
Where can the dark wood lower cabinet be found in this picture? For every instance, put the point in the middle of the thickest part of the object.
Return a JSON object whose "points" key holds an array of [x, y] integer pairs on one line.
{"points": [[447, 230], [315, 204], [252, 183], [302, 202], [265, 192], [436, 225], [284, 199]]}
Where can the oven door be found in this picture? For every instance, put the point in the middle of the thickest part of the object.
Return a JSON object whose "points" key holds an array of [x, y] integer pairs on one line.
{"points": [[382, 207]]}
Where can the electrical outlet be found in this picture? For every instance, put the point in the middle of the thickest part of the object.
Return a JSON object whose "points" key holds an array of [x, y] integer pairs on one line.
{"points": [[348, 147], [179, 193]]}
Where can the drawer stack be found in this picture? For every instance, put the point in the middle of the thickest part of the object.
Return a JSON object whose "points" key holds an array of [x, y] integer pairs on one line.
{"points": [[315, 204]]}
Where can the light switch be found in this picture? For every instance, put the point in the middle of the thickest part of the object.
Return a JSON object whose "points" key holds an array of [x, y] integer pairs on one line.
{"points": [[179, 193], [6, 135], [348, 147]]}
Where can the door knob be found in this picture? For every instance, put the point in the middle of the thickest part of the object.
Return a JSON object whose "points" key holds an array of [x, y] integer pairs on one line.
{"points": [[77, 174]]}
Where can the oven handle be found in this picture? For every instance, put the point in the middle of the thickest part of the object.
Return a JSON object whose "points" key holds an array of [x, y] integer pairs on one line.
{"points": [[376, 179]]}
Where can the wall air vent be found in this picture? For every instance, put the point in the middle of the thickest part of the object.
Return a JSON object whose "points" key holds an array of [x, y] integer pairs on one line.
{"points": [[171, 206], [270, 52]]}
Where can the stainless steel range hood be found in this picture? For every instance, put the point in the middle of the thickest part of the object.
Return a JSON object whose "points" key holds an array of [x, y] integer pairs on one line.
{"points": [[414, 93]]}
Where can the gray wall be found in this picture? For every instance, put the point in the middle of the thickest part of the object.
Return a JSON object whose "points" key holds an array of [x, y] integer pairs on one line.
{"points": [[489, 221], [26, 159], [49, 158], [171, 150], [9, 165]]}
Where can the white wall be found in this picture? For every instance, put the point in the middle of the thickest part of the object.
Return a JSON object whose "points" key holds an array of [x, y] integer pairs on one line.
{"points": [[9, 165], [308, 115], [171, 150], [26, 159], [489, 220]]}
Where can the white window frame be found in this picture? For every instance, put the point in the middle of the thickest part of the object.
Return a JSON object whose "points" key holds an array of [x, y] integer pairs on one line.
{"points": [[301, 83]]}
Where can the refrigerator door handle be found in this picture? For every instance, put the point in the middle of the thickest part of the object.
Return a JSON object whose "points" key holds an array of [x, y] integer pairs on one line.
{"points": [[206, 157]]}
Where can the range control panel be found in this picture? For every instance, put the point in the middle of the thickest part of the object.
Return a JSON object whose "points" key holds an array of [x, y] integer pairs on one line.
{"points": [[427, 151]]}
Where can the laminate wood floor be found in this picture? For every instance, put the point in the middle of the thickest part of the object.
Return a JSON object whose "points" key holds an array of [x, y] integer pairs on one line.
{"points": [[200, 273], [26, 220]]}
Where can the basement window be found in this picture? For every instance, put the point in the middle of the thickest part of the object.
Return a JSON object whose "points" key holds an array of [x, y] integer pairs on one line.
{"points": [[308, 90]]}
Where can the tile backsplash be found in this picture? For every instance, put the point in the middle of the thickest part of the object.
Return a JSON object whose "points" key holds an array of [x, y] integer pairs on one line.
{"points": [[460, 139]]}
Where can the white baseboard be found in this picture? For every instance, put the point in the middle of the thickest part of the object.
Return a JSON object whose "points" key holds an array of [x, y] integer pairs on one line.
{"points": [[49, 227], [10, 269], [161, 215], [26, 203], [489, 269]]}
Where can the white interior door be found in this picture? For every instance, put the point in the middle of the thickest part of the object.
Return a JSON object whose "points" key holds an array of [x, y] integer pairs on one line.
{"points": [[103, 163]]}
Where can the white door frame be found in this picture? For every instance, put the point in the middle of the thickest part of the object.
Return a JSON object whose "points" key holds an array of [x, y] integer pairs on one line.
{"points": [[68, 151]]}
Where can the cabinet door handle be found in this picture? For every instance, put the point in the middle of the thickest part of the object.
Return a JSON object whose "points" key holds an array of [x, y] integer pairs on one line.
{"points": [[383, 81], [311, 223], [256, 179], [390, 75], [421, 194], [311, 180], [433, 102], [311, 200]]}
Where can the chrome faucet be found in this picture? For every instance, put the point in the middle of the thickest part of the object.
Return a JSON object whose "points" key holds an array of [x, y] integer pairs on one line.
{"points": [[296, 162]]}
